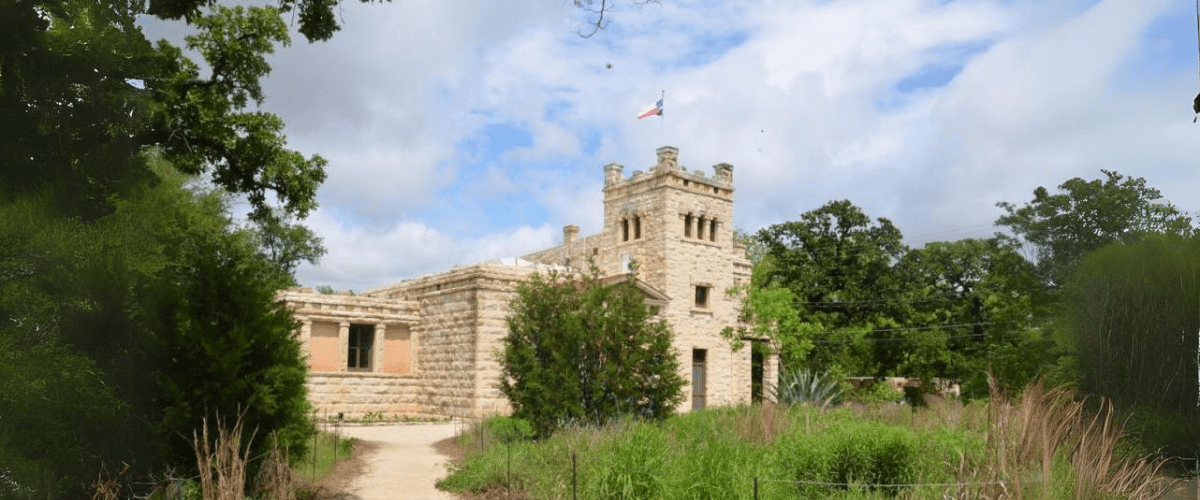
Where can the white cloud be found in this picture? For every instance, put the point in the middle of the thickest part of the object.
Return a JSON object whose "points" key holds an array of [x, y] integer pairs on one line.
{"points": [[801, 97]]}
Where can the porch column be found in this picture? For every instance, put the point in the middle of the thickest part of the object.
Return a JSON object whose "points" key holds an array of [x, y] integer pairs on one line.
{"points": [[304, 338], [343, 344], [378, 347], [771, 374]]}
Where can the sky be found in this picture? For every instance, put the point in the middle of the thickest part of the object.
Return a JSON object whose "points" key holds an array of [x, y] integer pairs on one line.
{"points": [[459, 131]]}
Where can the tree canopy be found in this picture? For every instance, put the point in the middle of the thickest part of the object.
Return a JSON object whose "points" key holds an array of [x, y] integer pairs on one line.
{"points": [[132, 304], [1086, 215]]}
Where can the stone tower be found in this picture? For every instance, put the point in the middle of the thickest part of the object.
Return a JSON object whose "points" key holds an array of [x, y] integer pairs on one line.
{"points": [[677, 225]]}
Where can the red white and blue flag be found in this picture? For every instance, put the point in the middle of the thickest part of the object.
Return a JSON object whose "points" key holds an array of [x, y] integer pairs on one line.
{"points": [[655, 109]]}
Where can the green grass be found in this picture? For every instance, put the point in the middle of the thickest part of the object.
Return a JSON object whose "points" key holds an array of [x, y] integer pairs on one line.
{"points": [[717, 453], [326, 456]]}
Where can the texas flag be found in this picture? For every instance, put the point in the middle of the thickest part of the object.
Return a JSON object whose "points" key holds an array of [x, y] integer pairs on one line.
{"points": [[652, 110]]}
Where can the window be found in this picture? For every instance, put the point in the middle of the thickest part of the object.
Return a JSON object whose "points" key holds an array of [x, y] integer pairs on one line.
{"points": [[687, 226], [637, 228], [699, 378], [712, 230], [702, 296], [626, 260], [625, 230], [358, 358]]}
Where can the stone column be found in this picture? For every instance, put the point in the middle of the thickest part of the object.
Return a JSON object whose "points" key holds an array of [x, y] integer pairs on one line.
{"points": [[771, 374], [343, 344], [305, 339], [377, 348]]}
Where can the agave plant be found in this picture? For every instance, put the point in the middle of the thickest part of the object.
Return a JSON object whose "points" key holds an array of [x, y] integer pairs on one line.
{"points": [[809, 387]]}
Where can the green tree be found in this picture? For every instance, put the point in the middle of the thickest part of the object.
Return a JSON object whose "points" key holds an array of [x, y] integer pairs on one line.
{"points": [[838, 263], [579, 350], [83, 95], [973, 300], [1087, 215], [768, 309], [123, 332]]}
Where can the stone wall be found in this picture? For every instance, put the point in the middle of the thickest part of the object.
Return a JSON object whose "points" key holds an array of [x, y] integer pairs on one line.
{"points": [[437, 337], [463, 313], [357, 394]]}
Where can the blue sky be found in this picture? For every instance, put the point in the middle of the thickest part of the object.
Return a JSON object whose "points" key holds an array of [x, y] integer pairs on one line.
{"points": [[461, 131]]}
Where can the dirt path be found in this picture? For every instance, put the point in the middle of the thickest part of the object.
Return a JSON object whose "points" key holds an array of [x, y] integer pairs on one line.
{"points": [[400, 461]]}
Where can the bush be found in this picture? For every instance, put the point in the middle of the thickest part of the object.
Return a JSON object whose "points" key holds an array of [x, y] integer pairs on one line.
{"points": [[580, 351], [876, 393]]}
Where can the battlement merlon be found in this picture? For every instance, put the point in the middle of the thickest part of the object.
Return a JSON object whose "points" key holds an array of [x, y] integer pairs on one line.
{"points": [[668, 164]]}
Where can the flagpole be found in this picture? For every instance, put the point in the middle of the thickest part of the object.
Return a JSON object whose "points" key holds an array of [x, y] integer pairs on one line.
{"points": [[663, 99]]}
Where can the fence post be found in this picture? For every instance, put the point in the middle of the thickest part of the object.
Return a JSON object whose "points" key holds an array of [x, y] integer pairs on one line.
{"points": [[755, 487], [574, 488]]}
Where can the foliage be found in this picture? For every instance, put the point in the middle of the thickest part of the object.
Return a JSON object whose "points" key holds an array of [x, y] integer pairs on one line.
{"points": [[138, 324], [977, 451], [145, 306], [875, 393], [989, 294], [83, 95], [836, 262], [579, 350], [1087, 215], [819, 389], [508, 429], [1135, 315]]}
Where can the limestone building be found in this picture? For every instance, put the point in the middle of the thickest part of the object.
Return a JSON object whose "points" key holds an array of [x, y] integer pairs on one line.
{"points": [[428, 346]]}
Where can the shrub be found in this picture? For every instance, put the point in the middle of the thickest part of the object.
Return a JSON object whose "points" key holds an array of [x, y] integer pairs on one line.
{"points": [[579, 350], [876, 393]]}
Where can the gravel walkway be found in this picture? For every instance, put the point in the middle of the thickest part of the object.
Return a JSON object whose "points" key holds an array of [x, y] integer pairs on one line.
{"points": [[403, 464]]}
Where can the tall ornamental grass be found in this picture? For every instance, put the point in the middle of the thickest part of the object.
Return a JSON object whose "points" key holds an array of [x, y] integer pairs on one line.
{"points": [[1046, 446]]}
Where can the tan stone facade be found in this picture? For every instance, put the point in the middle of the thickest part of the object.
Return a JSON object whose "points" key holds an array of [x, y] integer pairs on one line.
{"points": [[428, 346]]}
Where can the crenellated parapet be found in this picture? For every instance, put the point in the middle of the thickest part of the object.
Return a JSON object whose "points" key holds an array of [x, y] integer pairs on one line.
{"points": [[668, 171]]}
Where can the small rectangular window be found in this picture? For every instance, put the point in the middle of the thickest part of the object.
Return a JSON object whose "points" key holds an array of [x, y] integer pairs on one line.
{"points": [[699, 379], [358, 357], [637, 228], [712, 230], [702, 296], [687, 226], [625, 230]]}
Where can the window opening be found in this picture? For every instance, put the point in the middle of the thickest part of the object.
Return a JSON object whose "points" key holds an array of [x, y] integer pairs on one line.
{"points": [[625, 230], [637, 228], [700, 227], [358, 358], [687, 226], [701, 296], [712, 230], [698, 378]]}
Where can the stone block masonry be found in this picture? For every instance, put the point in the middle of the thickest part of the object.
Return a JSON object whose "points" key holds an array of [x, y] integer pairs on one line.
{"points": [[429, 346]]}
